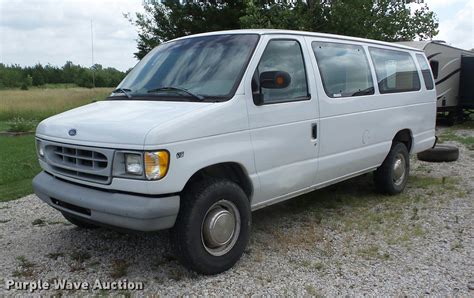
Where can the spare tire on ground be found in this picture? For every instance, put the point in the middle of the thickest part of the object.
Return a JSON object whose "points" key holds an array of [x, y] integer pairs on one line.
{"points": [[440, 153]]}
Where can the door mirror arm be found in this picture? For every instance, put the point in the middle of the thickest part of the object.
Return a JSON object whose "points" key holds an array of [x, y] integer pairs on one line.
{"points": [[258, 98]]}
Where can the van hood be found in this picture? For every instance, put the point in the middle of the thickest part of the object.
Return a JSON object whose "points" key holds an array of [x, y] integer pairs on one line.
{"points": [[113, 123]]}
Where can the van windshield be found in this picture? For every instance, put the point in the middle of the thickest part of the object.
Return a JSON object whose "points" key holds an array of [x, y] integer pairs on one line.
{"points": [[206, 67]]}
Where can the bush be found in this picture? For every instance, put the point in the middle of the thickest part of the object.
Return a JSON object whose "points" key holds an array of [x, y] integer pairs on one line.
{"points": [[28, 81], [19, 124]]}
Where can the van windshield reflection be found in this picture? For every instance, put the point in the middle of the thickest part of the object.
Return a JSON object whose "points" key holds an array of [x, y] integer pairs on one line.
{"points": [[198, 69]]}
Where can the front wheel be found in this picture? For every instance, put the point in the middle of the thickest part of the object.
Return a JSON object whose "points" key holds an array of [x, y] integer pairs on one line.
{"points": [[213, 226], [392, 176]]}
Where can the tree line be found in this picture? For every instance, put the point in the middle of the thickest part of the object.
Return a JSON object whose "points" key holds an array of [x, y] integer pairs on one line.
{"points": [[386, 20], [16, 76]]}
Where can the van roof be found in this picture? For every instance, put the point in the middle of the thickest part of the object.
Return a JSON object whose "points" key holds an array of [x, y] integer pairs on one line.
{"points": [[304, 33]]}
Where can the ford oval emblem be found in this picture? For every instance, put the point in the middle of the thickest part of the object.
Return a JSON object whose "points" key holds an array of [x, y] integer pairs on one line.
{"points": [[72, 132]]}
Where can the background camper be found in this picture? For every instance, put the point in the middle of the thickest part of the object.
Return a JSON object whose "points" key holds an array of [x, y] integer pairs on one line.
{"points": [[453, 71]]}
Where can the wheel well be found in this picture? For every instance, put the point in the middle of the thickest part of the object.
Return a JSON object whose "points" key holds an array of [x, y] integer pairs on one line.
{"points": [[404, 136], [229, 170]]}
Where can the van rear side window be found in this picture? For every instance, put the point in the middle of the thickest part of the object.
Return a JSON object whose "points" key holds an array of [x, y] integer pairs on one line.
{"points": [[425, 71], [344, 69], [396, 71]]}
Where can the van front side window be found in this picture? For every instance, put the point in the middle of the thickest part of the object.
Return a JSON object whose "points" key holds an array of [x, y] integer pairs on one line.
{"points": [[396, 71], [344, 69], [283, 55]]}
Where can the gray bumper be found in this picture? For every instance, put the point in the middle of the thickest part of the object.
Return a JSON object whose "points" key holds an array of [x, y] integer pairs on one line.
{"points": [[122, 210]]}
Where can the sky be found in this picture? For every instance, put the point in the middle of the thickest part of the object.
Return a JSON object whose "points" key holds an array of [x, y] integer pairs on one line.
{"points": [[456, 21], [55, 31]]}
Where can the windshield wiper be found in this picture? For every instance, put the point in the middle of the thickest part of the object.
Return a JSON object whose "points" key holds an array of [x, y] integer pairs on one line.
{"points": [[171, 88], [124, 91]]}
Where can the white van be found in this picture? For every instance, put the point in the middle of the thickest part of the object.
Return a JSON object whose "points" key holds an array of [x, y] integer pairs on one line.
{"points": [[209, 127]]}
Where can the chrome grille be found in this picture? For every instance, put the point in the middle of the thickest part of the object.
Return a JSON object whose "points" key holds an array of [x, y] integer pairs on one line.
{"points": [[81, 158], [80, 162]]}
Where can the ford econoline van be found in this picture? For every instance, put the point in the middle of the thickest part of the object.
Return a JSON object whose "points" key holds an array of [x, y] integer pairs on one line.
{"points": [[208, 128]]}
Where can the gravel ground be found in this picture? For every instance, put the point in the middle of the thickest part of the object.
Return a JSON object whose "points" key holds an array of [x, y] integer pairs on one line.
{"points": [[342, 240]]}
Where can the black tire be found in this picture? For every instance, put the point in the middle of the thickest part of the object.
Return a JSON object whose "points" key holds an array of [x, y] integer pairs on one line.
{"points": [[387, 180], [440, 153], [79, 222], [187, 238]]}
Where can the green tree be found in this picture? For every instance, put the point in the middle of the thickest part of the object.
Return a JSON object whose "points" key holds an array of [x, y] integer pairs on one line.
{"points": [[299, 15], [38, 75], [84, 79], [11, 76], [27, 82], [386, 20], [162, 22], [15, 76]]}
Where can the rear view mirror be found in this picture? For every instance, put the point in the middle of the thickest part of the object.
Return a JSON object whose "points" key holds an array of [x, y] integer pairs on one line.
{"points": [[274, 79]]}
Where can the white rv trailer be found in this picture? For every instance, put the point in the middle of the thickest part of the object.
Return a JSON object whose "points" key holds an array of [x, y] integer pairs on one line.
{"points": [[453, 71]]}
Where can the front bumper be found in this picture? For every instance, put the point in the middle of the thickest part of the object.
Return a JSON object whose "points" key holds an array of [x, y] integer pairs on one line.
{"points": [[129, 211]]}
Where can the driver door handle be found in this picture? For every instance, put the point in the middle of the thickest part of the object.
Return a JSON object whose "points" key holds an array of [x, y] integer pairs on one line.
{"points": [[314, 130]]}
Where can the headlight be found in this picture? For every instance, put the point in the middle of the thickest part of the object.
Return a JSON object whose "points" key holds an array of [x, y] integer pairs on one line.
{"points": [[40, 148], [156, 164], [133, 164]]}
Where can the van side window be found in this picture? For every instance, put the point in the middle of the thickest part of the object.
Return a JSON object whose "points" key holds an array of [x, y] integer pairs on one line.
{"points": [[425, 71], [434, 68], [396, 71], [283, 55], [344, 69]]}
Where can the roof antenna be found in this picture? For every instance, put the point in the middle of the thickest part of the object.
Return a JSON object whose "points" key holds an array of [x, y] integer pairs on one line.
{"points": [[92, 49]]}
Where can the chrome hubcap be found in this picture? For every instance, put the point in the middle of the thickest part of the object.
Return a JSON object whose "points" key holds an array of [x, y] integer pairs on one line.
{"points": [[399, 169], [220, 228]]}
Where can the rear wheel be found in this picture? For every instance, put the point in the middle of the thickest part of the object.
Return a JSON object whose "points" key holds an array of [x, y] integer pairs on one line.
{"points": [[392, 176], [213, 225], [79, 222]]}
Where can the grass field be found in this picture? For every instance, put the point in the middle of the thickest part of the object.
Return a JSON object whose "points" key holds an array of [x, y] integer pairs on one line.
{"points": [[38, 104], [18, 163]]}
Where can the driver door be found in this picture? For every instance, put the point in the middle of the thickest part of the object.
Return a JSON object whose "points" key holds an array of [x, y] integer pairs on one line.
{"points": [[283, 121]]}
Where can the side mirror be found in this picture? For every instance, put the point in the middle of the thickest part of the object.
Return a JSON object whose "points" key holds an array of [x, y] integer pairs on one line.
{"points": [[275, 79]]}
